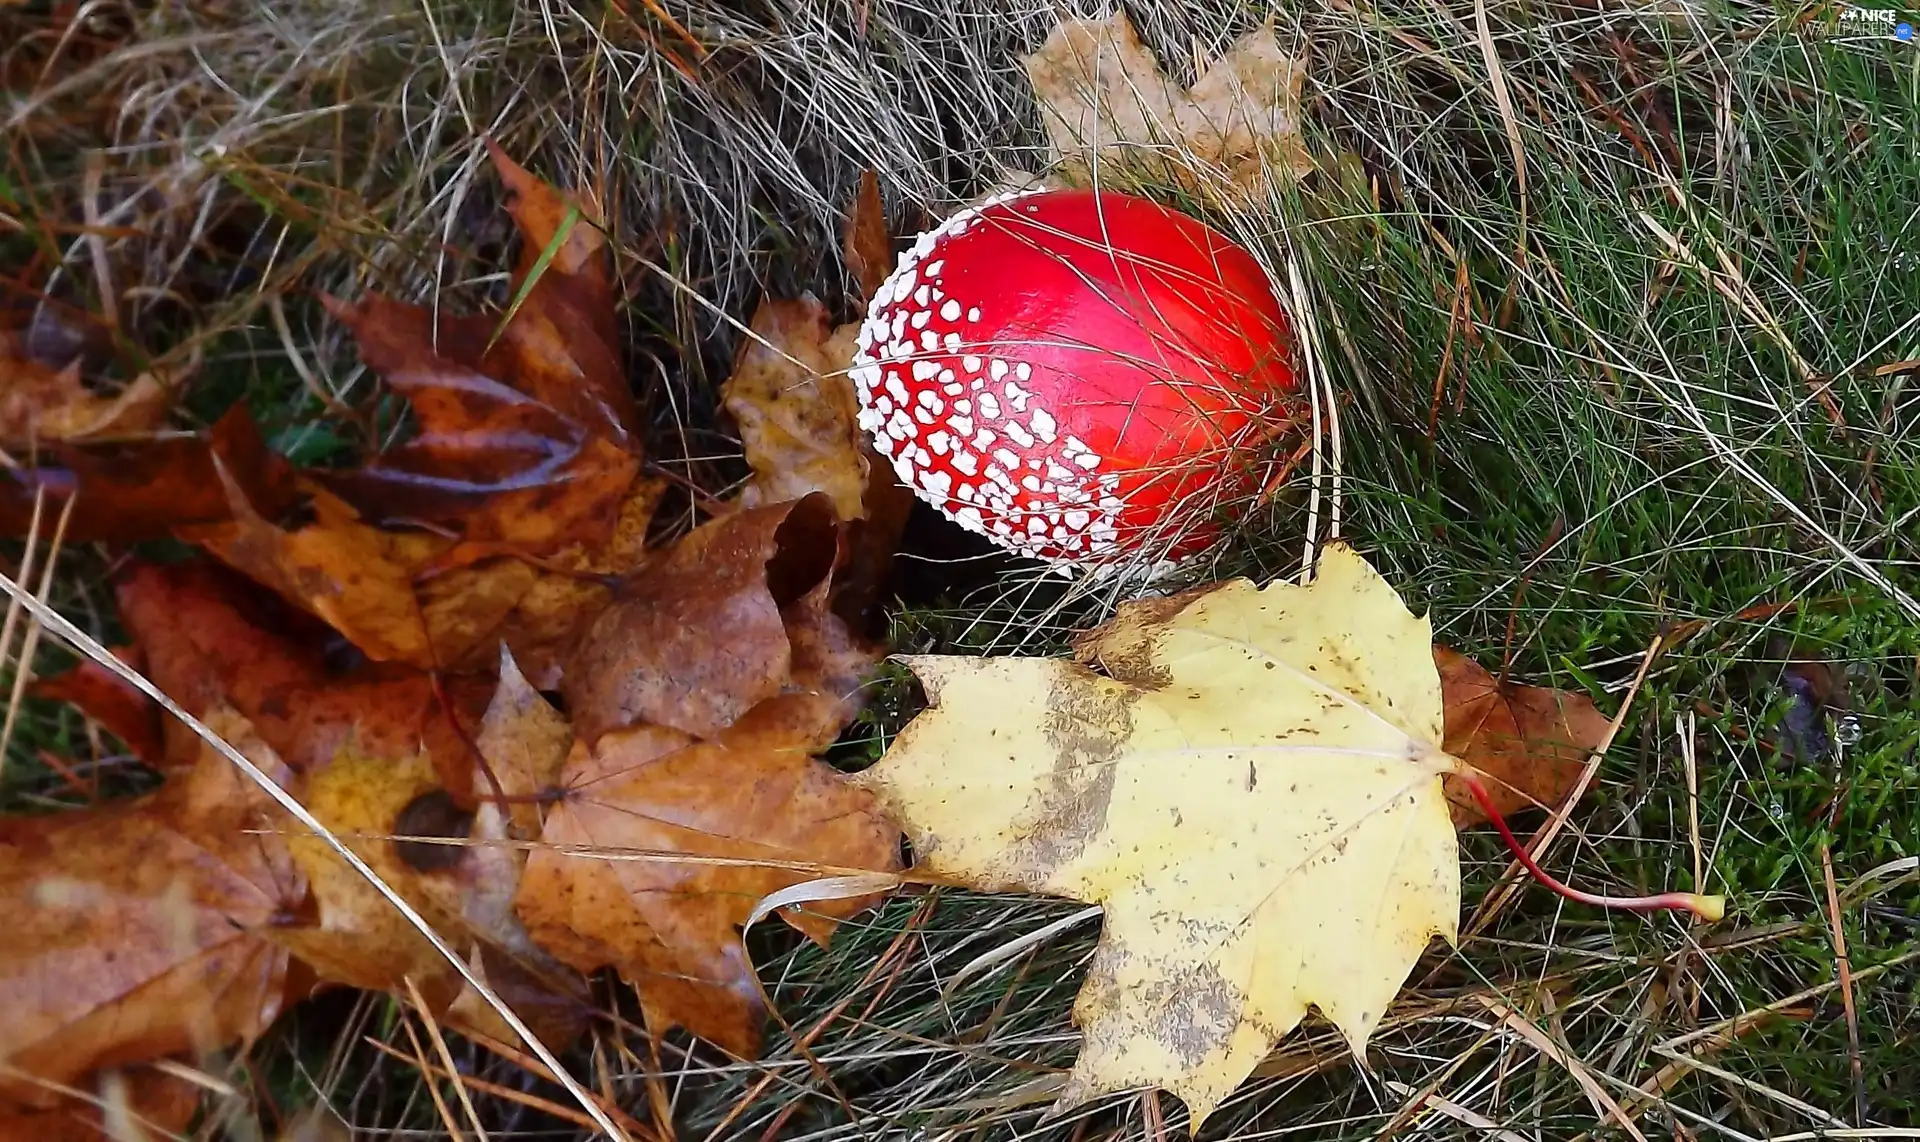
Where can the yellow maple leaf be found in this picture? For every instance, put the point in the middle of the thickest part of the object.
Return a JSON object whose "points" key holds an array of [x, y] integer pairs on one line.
{"points": [[1252, 791]]}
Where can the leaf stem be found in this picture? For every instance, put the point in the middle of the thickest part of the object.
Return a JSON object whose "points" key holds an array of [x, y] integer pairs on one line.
{"points": [[1708, 908]]}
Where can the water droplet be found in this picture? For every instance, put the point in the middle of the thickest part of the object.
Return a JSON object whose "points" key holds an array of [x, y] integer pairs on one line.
{"points": [[1847, 731]]}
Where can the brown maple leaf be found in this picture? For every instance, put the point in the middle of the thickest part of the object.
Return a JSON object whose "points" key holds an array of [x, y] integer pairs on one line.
{"points": [[739, 611], [671, 926], [139, 930], [519, 492], [392, 811], [1529, 742]]}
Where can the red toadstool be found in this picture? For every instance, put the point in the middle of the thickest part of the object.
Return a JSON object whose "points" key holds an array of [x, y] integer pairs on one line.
{"points": [[1082, 376]]}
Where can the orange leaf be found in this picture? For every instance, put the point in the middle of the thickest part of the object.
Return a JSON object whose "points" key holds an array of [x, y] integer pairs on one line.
{"points": [[210, 637], [102, 695], [136, 930], [351, 934], [736, 613], [672, 926], [335, 566], [1530, 742], [867, 243], [143, 489]]}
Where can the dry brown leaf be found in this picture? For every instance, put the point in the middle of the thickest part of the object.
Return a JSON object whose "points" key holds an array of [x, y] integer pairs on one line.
{"points": [[570, 587], [524, 425], [211, 637], [373, 791], [154, 1104], [104, 696], [517, 494], [716, 626], [1101, 92], [139, 490], [796, 408], [335, 566], [139, 930], [867, 243], [42, 404], [1530, 742], [672, 926]]}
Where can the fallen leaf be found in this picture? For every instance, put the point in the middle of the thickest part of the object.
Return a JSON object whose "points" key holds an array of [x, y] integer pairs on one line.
{"points": [[1530, 743], [372, 792], [335, 566], [211, 637], [139, 490], [138, 930], [1252, 793], [867, 243], [348, 932], [524, 423], [41, 404], [570, 587], [104, 696], [796, 408], [671, 926], [1102, 93], [716, 626], [518, 491], [487, 457], [153, 1104]]}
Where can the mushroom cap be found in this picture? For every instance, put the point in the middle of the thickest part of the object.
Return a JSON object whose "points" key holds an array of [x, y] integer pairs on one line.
{"points": [[1080, 375]]}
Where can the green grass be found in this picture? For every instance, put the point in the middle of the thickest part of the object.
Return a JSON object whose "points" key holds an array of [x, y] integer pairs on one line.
{"points": [[1629, 438]]}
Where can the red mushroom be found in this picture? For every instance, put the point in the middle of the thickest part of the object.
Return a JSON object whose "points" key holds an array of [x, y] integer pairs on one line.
{"points": [[1081, 376]]}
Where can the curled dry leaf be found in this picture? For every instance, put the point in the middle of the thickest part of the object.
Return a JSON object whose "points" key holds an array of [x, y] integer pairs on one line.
{"points": [[867, 243], [796, 408], [104, 696], [41, 404], [1529, 742], [335, 566], [1102, 94], [1252, 792], [739, 611], [141, 929], [684, 822]]}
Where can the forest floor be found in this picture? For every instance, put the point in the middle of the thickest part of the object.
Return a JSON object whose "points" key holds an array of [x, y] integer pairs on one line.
{"points": [[1623, 300]]}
